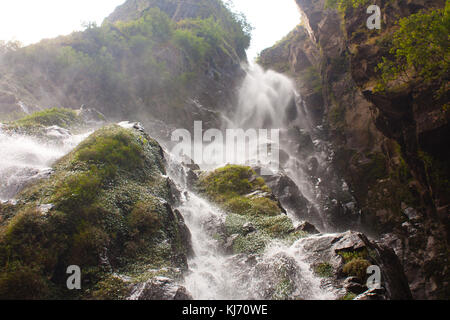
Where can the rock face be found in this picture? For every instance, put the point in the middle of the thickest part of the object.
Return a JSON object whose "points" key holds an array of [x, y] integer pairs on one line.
{"points": [[384, 143], [159, 288], [341, 260]]}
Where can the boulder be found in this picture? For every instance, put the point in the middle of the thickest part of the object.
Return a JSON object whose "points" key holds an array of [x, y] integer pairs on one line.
{"points": [[160, 288]]}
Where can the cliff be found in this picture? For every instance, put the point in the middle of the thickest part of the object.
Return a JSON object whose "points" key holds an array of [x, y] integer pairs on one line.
{"points": [[389, 143]]}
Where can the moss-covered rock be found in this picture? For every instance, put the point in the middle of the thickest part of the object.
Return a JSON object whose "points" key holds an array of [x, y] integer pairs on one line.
{"points": [[109, 212], [36, 123], [254, 215]]}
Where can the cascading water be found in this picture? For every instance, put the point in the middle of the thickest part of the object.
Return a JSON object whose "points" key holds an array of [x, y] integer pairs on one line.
{"points": [[266, 100], [26, 158]]}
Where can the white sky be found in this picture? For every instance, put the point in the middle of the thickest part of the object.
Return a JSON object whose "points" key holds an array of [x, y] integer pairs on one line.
{"points": [[32, 20]]}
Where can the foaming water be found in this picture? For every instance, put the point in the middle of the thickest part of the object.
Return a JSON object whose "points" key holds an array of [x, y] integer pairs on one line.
{"points": [[214, 275], [25, 158], [265, 102], [264, 99]]}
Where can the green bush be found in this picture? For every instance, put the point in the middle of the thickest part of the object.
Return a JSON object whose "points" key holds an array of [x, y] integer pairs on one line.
{"points": [[419, 50], [118, 151], [20, 282], [324, 270], [51, 117], [144, 219], [357, 268]]}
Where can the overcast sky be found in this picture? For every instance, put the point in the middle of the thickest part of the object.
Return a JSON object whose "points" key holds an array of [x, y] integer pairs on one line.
{"points": [[32, 20]]}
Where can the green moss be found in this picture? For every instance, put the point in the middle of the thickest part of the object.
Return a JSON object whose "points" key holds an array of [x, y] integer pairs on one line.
{"points": [[64, 118], [248, 200], [111, 288], [352, 255], [102, 205], [229, 187], [23, 282], [324, 270], [357, 268], [284, 289], [348, 296]]}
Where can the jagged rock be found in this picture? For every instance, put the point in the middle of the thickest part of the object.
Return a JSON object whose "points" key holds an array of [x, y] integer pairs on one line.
{"points": [[372, 294], [248, 228], [307, 227], [330, 248], [290, 196], [160, 288], [351, 284], [228, 247]]}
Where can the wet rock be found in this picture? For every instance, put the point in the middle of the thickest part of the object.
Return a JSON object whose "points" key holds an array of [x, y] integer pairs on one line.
{"points": [[175, 193], [248, 228], [411, 213], [230, 242], [331, 247], [45, 208], [290, 196], [372, 294], [160, 288], [307, 227], [351, 284]]}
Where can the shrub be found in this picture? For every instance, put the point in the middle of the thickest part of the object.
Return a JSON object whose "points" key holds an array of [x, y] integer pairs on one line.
{"points": [[118, 151], [111, 288], [324, 270], [357, 268], [144, 219], [419, 49], [23, 282], [51, 117]]}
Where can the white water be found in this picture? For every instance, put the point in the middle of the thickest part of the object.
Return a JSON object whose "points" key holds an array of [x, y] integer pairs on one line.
{"points": [[214, 275], [25, 158], [263, 102]]}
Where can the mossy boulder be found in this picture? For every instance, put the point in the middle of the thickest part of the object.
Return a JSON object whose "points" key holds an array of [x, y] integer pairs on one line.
{"points": [[35, 124], [254, 215], [109, 212]]}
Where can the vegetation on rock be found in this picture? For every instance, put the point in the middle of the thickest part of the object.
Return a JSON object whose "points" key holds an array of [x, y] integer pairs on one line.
{"points": [[250, 205], [419, 51], [106, 216]]}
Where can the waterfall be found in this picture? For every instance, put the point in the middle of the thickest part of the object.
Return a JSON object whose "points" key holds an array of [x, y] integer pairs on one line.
{"points": [[26, 158], [266, 100]]}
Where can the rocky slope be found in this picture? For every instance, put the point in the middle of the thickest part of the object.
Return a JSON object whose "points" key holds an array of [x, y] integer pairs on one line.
{"points": [[109, 207], [389, 145], [106, 207]]}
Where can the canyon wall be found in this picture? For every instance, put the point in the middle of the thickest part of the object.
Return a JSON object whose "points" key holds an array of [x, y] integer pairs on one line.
{"points": [[389, 146]]}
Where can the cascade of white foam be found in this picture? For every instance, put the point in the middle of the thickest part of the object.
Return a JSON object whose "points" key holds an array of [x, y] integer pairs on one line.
{"points": [[264, 100], [25, 158]]}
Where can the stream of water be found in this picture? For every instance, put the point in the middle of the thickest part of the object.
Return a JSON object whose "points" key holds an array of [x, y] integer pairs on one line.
{"points": [[265, 102]]}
